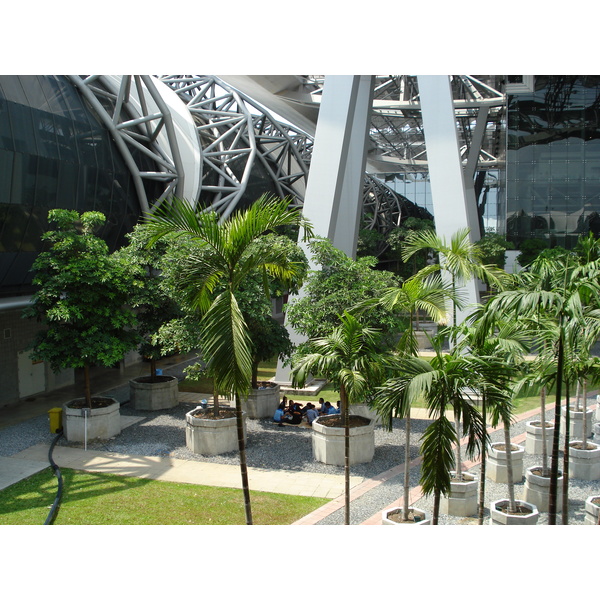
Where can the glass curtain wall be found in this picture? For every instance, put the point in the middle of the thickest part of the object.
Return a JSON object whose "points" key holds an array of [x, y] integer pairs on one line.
{"points": [[553, 160]]}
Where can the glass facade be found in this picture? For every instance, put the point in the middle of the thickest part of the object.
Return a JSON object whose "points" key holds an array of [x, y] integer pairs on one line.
{"points": [[553, 160], [54, 153]]}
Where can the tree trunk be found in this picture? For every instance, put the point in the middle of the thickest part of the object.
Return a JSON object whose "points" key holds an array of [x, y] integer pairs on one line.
{"points": [[553, 492], [512, 507], [153, 369], [215, 402], [544, 433], [254, 382], [406, 467], [346, 410], [86, 386], [565, 483], [243, 466], [436, 507], [584, 427], [483, 463], [457, 450]]}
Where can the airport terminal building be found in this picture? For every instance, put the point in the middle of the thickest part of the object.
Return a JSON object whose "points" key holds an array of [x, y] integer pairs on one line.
{"points": [[517, 154]]}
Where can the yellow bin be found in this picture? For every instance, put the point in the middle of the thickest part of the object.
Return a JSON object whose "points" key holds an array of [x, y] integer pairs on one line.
{"points": [[55, 415]]}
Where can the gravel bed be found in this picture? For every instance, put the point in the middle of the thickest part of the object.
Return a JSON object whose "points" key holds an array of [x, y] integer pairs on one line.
{"points": [[288, 448]]}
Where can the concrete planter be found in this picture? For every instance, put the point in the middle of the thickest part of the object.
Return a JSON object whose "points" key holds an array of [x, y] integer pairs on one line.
{"points": [[576, 422], [393, 516], [533, 437], [328, 441], [100, 423], [262, 403], [363, 410], [497, 470], [154, 395], [537, 489], [596, 430], [462, 501], [529, 516], [211, 436], [584, 464], [591, 510]]}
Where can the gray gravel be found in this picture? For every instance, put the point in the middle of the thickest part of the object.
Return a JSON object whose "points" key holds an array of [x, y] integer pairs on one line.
{"points": [[273, 447]]}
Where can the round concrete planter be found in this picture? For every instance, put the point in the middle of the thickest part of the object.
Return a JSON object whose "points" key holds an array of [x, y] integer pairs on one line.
{"points": [[262, 403], [591, 510], [211, 436], [497, 470], [462, 501], [146, 394], [499, 517], [363, 410], [533, 437], [328, 442], [101, 423], [393, 516], [576, 422], [537, 489], [584, 464], [596, 430]]}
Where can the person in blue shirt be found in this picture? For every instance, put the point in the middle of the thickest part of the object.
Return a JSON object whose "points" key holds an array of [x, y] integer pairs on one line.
{"points": [[311, 413], [279, 413]]}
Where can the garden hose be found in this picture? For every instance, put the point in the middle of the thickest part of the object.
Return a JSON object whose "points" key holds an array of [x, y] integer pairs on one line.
{"points": [[56, 505]]}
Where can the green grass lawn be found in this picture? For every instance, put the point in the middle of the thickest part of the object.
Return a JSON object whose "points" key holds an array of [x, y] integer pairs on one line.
{"points": [[106, 499]]}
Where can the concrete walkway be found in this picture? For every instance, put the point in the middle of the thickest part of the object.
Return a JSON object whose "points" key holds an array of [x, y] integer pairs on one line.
{"points": [[35, 459]]}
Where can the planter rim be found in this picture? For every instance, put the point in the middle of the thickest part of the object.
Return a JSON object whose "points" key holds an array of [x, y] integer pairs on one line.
{"points": [[533, 507], [529, 472], [136, 380], [518, 447], [112, 402], [399, 509]]}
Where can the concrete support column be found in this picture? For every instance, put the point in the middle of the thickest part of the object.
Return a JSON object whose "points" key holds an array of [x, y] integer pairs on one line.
{"points": [[453, 207], [333, 199]]}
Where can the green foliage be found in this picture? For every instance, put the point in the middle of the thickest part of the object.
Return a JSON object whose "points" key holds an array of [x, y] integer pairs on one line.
{"points": [[338, 285], [396, 240], [529, 250], [493, 248], [82, 296]]}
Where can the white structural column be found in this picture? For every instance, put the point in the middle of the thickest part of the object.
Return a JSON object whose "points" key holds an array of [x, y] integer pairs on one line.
{"points": [[452, 207], [333, 198]]}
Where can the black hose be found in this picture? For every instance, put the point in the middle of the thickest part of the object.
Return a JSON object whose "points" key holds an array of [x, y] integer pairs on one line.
{"points": [[54, 508]]}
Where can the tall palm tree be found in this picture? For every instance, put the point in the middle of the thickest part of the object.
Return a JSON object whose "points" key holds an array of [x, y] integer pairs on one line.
{"points": [[414, 294], [461, 260], [229, 256], [351, 358], [443, 383], [565, 296]]}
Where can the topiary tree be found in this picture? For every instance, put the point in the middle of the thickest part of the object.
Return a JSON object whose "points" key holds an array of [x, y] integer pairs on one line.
{"points": [[82, 297]]}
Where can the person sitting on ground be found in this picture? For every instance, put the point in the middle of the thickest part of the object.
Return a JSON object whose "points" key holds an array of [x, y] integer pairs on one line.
{"points": [[328, 409], [338, 409], [294, 417], [321, 406], [311, 413], [279, 413]]}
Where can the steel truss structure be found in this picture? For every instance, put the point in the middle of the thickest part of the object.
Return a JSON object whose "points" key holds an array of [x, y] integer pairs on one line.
{"points": [[238, 135]]}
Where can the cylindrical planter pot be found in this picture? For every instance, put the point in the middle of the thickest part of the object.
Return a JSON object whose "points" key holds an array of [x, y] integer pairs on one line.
{"points": [[537, 488], [584, 464], [328, 441], [393, 516], [211, 436], [496, 466], [596, 430], [592, 508], [528, 516], [81, 424], [262, 403], [576, 422], [463, 498], [161, 394], [533, 437], [363, 410]]}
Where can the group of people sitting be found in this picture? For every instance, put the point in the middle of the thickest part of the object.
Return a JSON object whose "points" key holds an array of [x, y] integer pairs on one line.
{"points": [[294, 413]]}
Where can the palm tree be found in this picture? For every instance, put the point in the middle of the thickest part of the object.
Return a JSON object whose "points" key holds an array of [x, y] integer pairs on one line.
{"points": [[564, 296], [443, 383], [461, 260], [413, 295], [351, 358], [229, 256]]}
